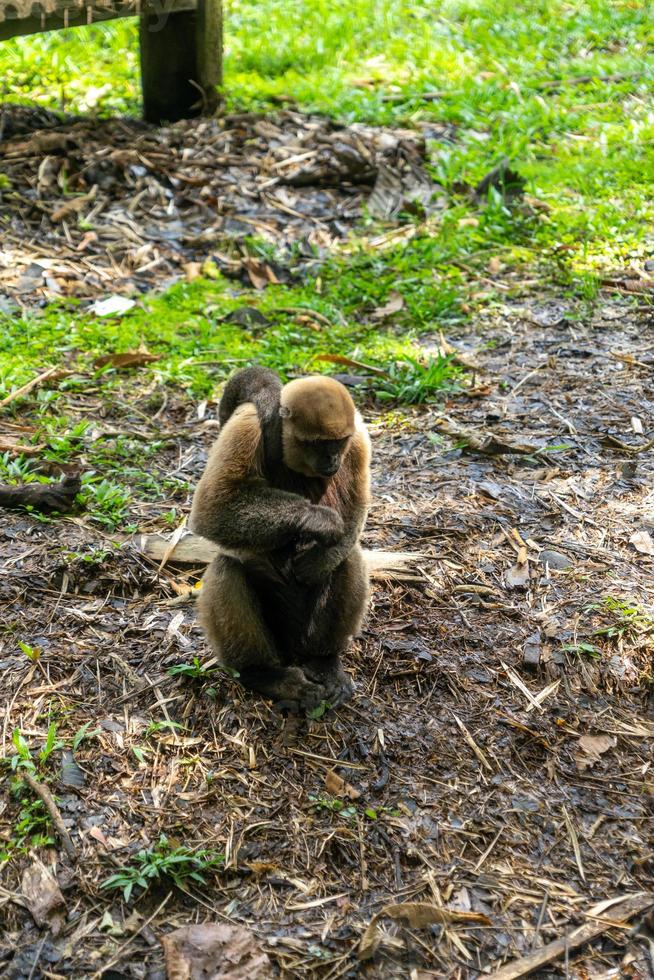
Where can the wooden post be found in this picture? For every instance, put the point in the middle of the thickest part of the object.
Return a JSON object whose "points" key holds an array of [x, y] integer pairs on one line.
{"points": [[181, 61]]}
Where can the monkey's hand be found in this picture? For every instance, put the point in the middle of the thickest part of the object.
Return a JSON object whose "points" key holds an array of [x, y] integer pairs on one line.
{"points": [[314, 562], [322, 524]]}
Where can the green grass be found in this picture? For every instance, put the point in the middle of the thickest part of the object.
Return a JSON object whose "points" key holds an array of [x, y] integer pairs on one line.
{"points": [[586, 149], [503, 76]]}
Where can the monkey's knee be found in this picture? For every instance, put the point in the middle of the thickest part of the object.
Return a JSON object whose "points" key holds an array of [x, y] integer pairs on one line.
{"points": [[348, 598], [231, 618]]}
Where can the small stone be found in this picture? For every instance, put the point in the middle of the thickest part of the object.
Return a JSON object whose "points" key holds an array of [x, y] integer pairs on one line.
{"points": [[531, 651], [554, 559]]}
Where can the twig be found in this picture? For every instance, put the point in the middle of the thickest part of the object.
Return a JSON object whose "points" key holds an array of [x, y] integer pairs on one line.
{"points": [[575, 842], [583, 934], [119, 952], [305, 311], [27, 387], [556, 83], [626, 448], [488, 849], [473, 745], [47, 799]]}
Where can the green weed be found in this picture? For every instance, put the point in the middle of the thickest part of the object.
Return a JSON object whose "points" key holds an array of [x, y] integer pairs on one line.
{"points": [[32, 829], [332, 804], [196, 670], [627, 620], [164, 863]]}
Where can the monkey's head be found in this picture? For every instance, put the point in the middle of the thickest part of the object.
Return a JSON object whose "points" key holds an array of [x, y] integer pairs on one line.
{"points": [[318, 418]]}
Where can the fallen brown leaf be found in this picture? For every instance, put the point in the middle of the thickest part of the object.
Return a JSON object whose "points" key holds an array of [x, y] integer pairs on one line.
{"points": [[129, 359], [479, 441], [394, 304], [73, 206], [43, 896], [517, 576], [215, 951], [418, 915], [642, 542], [259, 273], [590, 748], [337, 786]]}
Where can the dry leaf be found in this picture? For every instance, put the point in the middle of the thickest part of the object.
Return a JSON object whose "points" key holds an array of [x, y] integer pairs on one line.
{"points": [[349, 362], [98, 835], [215, 951], [417, 914], [642, 542], [130, 359], [517, 576], [591, 747], [43, 897], [259, 273], [337, 786], [481, 441], [394, 304], [192, 270], [73, 206], [10, 444]]}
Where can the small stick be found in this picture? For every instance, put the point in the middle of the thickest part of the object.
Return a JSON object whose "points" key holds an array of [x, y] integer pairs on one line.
{"points": [[621, 912], [47, 799], [27, 387], [575, 842], [121, 949], [488, 849], [473, 745]]}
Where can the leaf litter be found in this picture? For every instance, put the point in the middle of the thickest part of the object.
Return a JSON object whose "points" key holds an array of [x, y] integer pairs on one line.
{"points": [[97, 209], [484, 803]]}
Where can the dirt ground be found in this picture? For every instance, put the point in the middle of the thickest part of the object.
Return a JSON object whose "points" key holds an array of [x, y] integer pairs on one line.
{"points": [[499, 748]]}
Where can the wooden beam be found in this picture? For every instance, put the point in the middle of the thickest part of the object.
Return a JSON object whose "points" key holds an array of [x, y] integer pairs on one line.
{"points": [[192, 549], [209, 51], [55, 16], [181, 62]]}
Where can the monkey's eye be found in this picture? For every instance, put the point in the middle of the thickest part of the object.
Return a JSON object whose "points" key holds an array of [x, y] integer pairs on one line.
{"points": [[329, 446]]}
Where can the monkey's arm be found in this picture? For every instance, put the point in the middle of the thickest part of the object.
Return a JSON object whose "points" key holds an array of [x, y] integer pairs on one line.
{"points": [[352, 488], [235, 507]]}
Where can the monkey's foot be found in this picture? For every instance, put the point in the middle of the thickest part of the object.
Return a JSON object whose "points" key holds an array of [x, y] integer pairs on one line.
{"points": [[339, 686], [295, 692]]}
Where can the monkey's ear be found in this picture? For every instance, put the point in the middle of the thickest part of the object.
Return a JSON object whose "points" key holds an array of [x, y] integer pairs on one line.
{"points": [[285, 411]]}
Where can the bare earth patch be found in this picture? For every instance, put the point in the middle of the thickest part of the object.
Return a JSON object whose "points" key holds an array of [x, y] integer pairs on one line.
{"points": [[495, 766]]}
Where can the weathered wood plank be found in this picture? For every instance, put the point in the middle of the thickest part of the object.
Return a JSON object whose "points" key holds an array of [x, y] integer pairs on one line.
{"points": [[195, 550], [19, 19], [209, 48]]}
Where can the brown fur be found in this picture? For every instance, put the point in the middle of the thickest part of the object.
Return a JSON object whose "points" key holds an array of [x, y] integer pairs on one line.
{"points": [[320, 408], [291, 587]]}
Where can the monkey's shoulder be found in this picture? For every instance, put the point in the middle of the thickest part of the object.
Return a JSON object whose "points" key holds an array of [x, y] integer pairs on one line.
{"points": [[236, 452], [257, 385]]}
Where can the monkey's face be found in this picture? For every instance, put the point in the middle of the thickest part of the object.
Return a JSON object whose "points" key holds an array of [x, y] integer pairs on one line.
{"points": [[318, 419], [314, 457]]}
